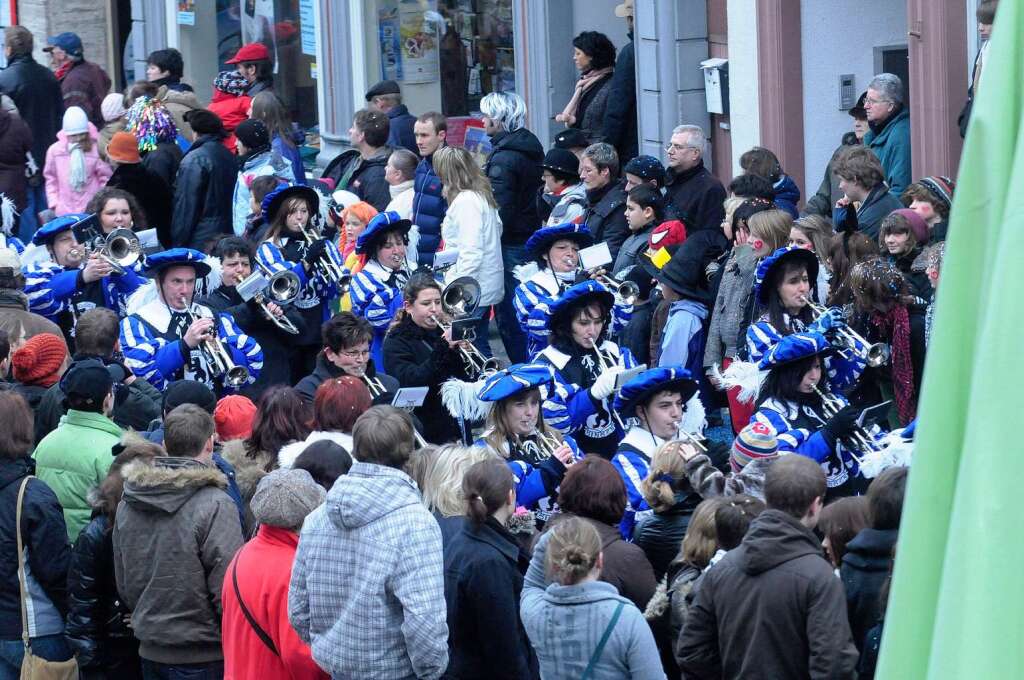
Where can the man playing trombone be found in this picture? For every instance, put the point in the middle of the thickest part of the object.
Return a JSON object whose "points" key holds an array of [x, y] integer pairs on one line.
{"points": [[172, 338], [75, 278]]}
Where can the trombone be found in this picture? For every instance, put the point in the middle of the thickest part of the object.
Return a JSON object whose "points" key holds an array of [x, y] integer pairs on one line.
{"points": [[216, 353], [861, 438], [121, 249], [876, 354], [459, 299], [626, 292], [327, 267], [282, 289]]}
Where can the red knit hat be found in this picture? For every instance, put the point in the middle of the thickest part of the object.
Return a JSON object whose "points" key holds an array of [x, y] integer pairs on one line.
{"points": [[39, 360], [233, 416]]}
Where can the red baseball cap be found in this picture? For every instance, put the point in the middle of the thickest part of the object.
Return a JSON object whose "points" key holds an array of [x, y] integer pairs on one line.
{"points": [[250, 52]]}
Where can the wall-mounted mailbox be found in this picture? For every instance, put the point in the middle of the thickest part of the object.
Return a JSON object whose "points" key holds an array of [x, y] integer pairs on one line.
{"points": [[716, 84]]}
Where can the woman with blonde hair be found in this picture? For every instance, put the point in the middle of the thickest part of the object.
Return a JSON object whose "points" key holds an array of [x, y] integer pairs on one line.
{"points": [[472, 228], [699, 545], [442, 486], [667, 491]]}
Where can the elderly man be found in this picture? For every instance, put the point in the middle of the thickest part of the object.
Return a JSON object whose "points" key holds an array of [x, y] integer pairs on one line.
{"points": [[889, 136], [386, 97], [693, 193], [83, 83]]}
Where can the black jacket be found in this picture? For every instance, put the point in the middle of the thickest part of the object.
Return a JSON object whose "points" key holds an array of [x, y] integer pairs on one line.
{"points": [[418, 357], [513, 167], [864, 570], [620, 128], [776, 586], [203, 195], [660, 534], [96, 627], [164, 161], [483, 578], [44, 535], [696, 197], [636, 336], [367, 178], [606, 216], [151, 191], [277, 344], [918, 281], [325, 370], [400, 130], [37, 94], [15, 143]]}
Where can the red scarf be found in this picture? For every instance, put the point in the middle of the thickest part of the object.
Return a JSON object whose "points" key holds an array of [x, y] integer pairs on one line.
{"points": [[896, 326], [63, 69]]}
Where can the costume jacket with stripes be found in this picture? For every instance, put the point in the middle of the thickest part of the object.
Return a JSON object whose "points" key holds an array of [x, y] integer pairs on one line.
{"points": [[536, 477], [376, 295], [843, 368]]}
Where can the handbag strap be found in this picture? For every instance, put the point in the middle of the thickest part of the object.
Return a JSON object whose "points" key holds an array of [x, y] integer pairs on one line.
{"points": [[21, 563], [596, 656], [260, 633]]}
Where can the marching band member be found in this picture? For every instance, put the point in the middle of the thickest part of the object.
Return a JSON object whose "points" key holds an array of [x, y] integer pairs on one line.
{"points": [[8, 213], [376, 290], [289, 210], [792, 400], [170, 337], [659, 404], [68, 284], [114, 209], [346, 341], [585, 365]]}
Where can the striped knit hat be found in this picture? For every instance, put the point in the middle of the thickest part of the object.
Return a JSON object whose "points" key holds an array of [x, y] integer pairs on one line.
{"points": [[941, 187], [756, 440]]}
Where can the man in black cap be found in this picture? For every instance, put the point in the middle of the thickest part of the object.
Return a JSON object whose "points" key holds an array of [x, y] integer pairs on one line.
{"points": [[386, 97], [204, 186], [361, 168], [572, 139], [256, 158], [563, 197]]}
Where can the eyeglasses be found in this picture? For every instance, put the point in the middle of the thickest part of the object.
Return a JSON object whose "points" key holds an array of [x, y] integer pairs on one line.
{"points": [[679, 147], [869, 100], [355, 353]]}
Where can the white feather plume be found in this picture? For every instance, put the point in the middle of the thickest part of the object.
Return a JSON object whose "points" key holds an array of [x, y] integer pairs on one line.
{"points": [[694, 420], [142, 296], [459, 397], [742, 374], [34, 255], [525, 272], [7, 214], [893, 451]]}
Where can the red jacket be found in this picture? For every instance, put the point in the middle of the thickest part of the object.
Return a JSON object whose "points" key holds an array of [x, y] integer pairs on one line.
{"points": [[232, 109], [264, 570]]}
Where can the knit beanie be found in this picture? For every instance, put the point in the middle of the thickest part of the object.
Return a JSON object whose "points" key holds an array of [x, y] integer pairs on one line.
{"points": [[39, 360], [916, 223], [253, 133], [756, 440], [75, 121], [124, 148], [231, 82], [189, 392], [234, 415], [112, 107], [284, 497], [941, 187]]}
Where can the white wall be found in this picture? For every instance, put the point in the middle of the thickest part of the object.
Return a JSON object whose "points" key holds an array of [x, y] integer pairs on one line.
{"points": [[594, 15], [838, 36], [744, 90]]}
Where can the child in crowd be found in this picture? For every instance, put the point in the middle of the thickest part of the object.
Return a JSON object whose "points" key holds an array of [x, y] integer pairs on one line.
{"points": [[814, 233], [901, 236], [230, 103], [931, 198], [255, 226], [563, 198], [645, 209], [74, 170]]}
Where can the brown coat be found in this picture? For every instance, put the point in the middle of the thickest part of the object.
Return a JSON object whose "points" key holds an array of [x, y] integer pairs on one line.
{"points": [[179, 103], [19, 323]]}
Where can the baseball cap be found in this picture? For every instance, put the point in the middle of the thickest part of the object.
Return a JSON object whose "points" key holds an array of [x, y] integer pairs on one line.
{"points": [[250, 52], [87, 379], [69, 42]]}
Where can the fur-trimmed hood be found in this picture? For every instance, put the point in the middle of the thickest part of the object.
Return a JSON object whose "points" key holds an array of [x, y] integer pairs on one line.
{"points": [[248, 471], [168, 483]]}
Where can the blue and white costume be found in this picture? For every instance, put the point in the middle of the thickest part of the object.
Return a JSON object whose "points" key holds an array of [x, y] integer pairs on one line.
{"points": [[12, 242]]}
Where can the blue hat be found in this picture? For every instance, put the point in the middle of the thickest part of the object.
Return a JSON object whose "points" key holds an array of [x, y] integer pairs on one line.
{"points": [[176, 257], [69, 42], [46, 233], [578, 296], [770, 265], [648, 383], [793, 348], [380, 225], [514, 380], [540, 241], [272, 201], [646, 168]]}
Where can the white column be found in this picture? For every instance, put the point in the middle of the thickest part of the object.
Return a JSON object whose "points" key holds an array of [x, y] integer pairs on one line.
{"points": [[744, 91]]}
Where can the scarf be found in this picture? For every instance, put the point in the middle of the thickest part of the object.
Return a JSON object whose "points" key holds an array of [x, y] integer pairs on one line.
{"points": [[586, 81], [76, 174], [895, 324], [63, 69]]}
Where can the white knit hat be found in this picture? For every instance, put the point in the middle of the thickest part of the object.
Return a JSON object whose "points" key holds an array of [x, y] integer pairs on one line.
{"points": [[75, 121], [112, 107]]}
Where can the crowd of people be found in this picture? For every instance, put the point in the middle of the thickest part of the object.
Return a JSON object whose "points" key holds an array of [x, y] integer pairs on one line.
{"points": [[254, 423]]}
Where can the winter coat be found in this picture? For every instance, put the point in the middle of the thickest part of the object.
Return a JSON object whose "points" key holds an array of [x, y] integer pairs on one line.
{"points": [[734, 292], [875, 208], [232, 110], [590, 112], [15, 144], [384, 623], [710, 482], [151, 191], [291, 153], [566, 623], [428, 209], [402, 196], [36, 92], [325, 370], [179, 103], [696, 197], [73, 459], [828, 193], [203, 191], [85, 85], [892, 146], [400, 130], [367, 176], [60, 196], [106, 133], [262, 569], [777, 585], [244, 472], [606, 216], [97, 627], [918, 281], [268, 162], [682, 340], [174, 533], [475, 230], [660, 534], [45, 540], [18, 322], [568, 206], [513, 167], [482, 586], [620, 127], [164, 161], [636, 336], [787, 195], [865, 568]]}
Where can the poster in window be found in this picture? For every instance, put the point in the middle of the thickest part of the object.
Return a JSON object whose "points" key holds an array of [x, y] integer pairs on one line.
{"points": [[186, 12], [418, 30], [258, 25], [390, 43], [308, 27]]}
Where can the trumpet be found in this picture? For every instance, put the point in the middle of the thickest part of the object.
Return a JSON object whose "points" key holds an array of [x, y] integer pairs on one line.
{"points": [[877, 354], [216, 354], [607, 363], [282, 289], [327, 267], [861, 438], [626, 292], [460, 299], [374, 385], [547, 444], [689, 437], [121, 249], [476, 363]]}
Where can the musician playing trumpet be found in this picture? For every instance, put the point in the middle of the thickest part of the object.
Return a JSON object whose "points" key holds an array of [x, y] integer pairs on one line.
{"points": [[168, 338], [73, 280]]}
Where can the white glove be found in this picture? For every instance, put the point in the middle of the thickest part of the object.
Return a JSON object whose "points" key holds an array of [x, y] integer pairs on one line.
{"points": [[605, 384]]}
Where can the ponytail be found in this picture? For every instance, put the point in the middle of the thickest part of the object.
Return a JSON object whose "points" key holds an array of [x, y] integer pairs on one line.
{"points": [[485, 488], [572, 551]]}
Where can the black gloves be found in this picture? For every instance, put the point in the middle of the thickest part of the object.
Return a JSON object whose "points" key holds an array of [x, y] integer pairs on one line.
{"points": [[315, 251], [842, 424]]}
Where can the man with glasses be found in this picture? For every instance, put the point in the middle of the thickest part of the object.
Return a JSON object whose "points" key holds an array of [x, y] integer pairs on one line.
{"points": [[694, 195], [346, 351], [889, 133]]}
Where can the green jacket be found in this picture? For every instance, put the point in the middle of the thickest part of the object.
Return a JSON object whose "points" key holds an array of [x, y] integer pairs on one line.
{"points": [[73, 459], [892, 146]]}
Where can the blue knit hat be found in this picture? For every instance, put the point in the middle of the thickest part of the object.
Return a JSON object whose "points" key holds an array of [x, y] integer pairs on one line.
{"points": [[381, 224], [773, 262], [515, 379], [646, 168]]}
